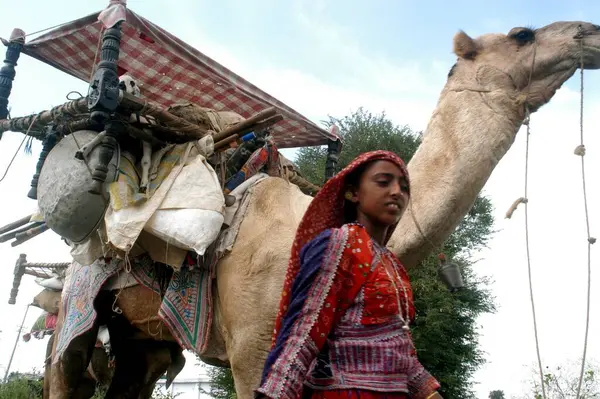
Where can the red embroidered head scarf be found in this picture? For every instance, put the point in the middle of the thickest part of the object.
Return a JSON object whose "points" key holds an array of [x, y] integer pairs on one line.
{"points": [[326, 211]]}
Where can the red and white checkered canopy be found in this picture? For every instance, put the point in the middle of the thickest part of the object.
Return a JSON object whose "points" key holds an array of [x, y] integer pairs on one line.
{"points": [[168, 71]]}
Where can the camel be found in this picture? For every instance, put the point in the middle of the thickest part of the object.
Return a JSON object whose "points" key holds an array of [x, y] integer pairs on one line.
{"points": [[496, 82]]}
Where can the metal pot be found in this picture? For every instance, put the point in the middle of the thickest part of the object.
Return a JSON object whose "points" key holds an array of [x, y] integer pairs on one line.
{"points": [[450, 275], [64, 184]]}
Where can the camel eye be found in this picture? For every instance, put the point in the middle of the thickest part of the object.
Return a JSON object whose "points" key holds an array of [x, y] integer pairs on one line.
{"points": [[523, 36]]}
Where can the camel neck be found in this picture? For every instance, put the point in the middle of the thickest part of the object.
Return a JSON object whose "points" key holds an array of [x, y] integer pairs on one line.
{"points": [[466, 137]]}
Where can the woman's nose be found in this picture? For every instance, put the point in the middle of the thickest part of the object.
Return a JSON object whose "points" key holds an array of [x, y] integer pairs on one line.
{"points": [[396, 189]]}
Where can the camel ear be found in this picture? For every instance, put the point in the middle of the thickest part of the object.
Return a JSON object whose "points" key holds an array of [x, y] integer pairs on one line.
{"points": [[464, 45]]}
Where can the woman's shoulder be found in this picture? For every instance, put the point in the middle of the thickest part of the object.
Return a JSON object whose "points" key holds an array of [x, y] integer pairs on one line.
{"points": [[348, 232]]}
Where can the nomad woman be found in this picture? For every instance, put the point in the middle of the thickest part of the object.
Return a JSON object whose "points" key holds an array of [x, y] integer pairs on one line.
{"points": [[342, 330]]}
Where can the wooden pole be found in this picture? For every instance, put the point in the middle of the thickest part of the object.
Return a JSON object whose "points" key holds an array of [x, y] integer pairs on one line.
{"points": [[20, 238], [237, 132], [246, 125], [12, 234], [19, 271], [7, 72], [14, 225]]}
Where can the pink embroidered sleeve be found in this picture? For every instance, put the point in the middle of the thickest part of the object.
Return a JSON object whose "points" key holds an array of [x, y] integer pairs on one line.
{"points": [[421, 384]]}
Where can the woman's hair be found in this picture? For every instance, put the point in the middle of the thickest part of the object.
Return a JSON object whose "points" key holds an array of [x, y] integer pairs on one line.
{"points": [[352, 182]]}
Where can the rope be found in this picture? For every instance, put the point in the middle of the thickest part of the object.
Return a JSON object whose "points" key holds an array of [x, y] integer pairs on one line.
{"points": [[580, 151], [524, 200], [412, 214], [96, 55], [16, 152], [42, 30]]}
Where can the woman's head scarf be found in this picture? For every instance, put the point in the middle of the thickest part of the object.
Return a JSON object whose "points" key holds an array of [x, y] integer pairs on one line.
{"points": [[326, 211]]}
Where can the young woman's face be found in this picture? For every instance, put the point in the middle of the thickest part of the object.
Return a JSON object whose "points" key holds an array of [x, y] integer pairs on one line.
{"points": [[382, 194]]}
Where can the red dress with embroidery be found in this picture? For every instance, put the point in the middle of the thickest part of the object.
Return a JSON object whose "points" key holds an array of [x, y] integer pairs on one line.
{"points": [[342, 335]]}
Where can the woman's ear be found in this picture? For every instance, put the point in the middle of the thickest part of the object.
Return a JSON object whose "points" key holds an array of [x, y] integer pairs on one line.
{"points": [[351, 195]]}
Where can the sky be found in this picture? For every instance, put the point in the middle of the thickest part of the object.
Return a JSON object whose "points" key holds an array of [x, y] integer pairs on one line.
{"points": [[329, 58]]}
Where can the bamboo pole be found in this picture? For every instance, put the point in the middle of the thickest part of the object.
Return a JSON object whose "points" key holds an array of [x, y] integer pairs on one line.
{"points": [[13, 233], [293, 176], [242, 130], [245, 126], [176, 123], [71, 108], [180, 129], [29, 234], [14, 225]]}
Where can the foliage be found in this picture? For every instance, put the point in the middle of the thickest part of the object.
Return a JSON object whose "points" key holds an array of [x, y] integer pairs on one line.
{"points": [[31, 386], [562, 381], [221, 383], [445, 325], [159, 394], [496, 394], [100, 392], [20, 386]]}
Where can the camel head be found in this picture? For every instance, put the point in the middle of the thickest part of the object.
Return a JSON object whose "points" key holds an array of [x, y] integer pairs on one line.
{"points": [[527, 64]]}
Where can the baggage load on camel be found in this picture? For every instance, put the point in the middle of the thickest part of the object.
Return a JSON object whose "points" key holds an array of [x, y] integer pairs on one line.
{"points": [[219, 120], [184, 206], [53, 283], [47, 300]]}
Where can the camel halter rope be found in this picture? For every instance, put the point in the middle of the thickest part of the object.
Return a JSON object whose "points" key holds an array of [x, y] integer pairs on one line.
{"points": [[580, 151]]}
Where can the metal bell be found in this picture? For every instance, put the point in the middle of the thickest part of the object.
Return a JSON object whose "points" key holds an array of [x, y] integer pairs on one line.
{"points": [[450, 274]]}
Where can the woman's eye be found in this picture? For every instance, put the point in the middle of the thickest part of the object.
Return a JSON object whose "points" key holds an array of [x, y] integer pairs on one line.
{"points": [[382, 183]]}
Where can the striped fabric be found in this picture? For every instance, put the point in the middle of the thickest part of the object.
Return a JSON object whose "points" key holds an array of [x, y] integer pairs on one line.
{"points": [[169, 71]]}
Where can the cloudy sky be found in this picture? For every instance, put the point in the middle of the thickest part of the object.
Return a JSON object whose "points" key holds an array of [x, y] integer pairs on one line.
{"points": [[331, 57]]}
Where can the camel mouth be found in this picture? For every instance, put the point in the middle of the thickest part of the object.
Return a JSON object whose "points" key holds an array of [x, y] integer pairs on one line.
{"points": [[591, 57], [590, 45]]}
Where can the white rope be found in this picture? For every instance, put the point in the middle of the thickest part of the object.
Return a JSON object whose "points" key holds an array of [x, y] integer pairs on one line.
{"points": [[525, 202], [580, 151]]}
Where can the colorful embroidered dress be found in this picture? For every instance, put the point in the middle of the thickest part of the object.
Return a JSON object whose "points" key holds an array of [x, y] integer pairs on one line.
{"points": [[338, 333]]}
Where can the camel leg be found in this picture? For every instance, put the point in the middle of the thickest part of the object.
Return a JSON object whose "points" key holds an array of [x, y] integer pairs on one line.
{"points": [[48, 367], [245, 337], [140, 359], [130, 369], [139, 364], [67, 378], [166, 356]]}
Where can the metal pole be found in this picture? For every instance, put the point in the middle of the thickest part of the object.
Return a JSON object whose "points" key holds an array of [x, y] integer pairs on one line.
{"points": [[15, 347]]}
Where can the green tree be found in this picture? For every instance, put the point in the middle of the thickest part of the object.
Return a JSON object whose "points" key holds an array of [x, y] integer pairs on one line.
{"points": [[444, 331], [221, 383], [496, 394], [22, 386]]}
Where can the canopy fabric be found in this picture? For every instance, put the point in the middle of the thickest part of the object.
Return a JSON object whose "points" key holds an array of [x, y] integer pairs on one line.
{"points": [[169, 71]]}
